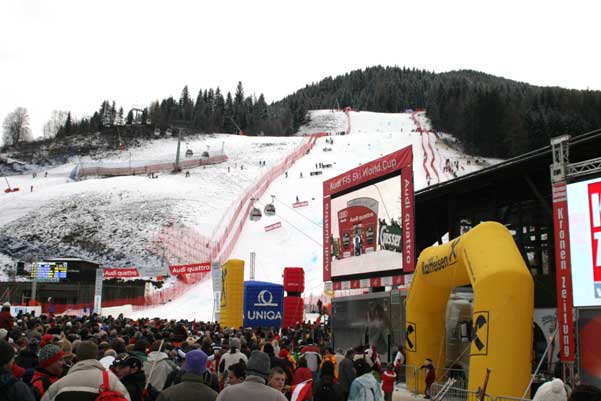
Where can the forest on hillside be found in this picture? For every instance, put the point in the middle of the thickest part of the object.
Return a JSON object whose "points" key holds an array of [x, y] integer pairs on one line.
{"points": [[492, 116]]}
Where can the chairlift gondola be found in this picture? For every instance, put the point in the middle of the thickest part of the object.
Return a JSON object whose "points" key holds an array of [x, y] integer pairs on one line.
{"points": [[168, 132], [189, 153], [157, 132], [270, 207], [255, 214]]}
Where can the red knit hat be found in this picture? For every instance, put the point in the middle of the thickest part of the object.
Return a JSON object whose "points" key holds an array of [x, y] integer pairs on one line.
{"points": [[46, 339], [50, 354]]}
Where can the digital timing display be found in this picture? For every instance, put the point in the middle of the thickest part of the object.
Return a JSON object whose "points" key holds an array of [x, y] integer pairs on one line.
{"points": [[49, 270]]}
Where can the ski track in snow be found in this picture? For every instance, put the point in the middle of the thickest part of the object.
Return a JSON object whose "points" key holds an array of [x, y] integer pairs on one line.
{"points": [[139, 204]]}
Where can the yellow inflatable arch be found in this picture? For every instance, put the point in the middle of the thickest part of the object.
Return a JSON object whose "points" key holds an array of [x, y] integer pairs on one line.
{"points": [[487, 258]]}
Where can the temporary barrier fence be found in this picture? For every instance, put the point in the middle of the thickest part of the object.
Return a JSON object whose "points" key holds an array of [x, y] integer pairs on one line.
{"points": [[144, 168], [458, 394]]}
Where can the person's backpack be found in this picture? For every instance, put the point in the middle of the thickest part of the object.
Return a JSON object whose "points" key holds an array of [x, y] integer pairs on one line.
{"points": [[45, 384], [105, 393]]}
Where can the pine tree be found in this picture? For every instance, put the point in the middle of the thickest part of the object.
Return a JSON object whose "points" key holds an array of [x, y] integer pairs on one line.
{"points": [[130, 117], [68, 124]]}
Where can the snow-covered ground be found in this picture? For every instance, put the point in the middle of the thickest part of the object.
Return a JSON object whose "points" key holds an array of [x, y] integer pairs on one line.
{"points": [[112, 220], [299, 241]]}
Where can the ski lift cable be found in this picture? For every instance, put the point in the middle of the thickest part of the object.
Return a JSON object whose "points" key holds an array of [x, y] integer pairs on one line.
{"points": [[293, 226], [300, 214], [291, 209]]}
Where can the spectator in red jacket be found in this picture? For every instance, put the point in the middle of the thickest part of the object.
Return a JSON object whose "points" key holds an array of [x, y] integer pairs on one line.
{"points": [[303, 373], [49, 370], [6, 319], [388, 379]]}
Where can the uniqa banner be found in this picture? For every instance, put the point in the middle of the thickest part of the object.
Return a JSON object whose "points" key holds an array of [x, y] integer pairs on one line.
{"points": [[263, 304]]}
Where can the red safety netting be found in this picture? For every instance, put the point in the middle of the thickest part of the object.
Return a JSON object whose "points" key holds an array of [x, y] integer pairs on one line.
{"points": [[180, 244]]}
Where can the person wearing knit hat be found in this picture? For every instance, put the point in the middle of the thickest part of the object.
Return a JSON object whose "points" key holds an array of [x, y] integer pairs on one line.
{"points": [[50, 369], [253, 388], [85, 378], [11, 389], [47, 339], [192, 386]]}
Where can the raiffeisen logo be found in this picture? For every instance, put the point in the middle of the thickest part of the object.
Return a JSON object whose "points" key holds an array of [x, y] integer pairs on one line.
{"points": [[594, 197], [265, 298]]}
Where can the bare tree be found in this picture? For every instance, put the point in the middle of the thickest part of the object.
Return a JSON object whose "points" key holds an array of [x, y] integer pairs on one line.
{"points": [[57, 120], [16, 127]]}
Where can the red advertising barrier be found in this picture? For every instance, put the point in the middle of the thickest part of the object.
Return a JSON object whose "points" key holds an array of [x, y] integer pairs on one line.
{"points": [[273, 226], [191, 268], [294, 279], [300, 204], [294, 308], [563, 272], [126, 272]]}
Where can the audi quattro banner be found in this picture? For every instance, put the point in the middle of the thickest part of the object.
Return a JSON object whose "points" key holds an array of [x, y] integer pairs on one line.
{"points": [[368, 218], [263, 304], [191, 268], [123, 272]]}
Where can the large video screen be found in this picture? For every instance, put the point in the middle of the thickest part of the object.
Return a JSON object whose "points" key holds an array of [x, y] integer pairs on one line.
{"points": [[368, 218], [584, 216], [49, 271]]}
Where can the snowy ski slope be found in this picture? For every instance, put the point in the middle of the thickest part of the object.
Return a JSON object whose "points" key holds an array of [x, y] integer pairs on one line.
{"points": [[298, 242]]}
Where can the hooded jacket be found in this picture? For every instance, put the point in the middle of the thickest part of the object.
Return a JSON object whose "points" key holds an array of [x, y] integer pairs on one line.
{"points": [[82, 383], [252, 389], [365, 388], [162, 368], [191, 388]]}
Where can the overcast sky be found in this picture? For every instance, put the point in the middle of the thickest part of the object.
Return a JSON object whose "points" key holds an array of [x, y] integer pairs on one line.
{"points": [[70, 55]]}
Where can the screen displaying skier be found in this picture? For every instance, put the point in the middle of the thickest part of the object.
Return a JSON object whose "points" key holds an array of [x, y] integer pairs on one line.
{"points": [[368, 218]]}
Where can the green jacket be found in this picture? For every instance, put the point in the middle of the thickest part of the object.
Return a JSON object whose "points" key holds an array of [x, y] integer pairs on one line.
{"points": [[191, 388]]}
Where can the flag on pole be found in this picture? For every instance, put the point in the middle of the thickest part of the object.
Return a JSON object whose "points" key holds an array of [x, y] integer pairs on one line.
{"points": [[301, 390]]}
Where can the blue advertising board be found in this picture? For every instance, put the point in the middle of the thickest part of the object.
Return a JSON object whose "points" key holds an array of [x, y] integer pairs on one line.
{"points": [[263, 304]]}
